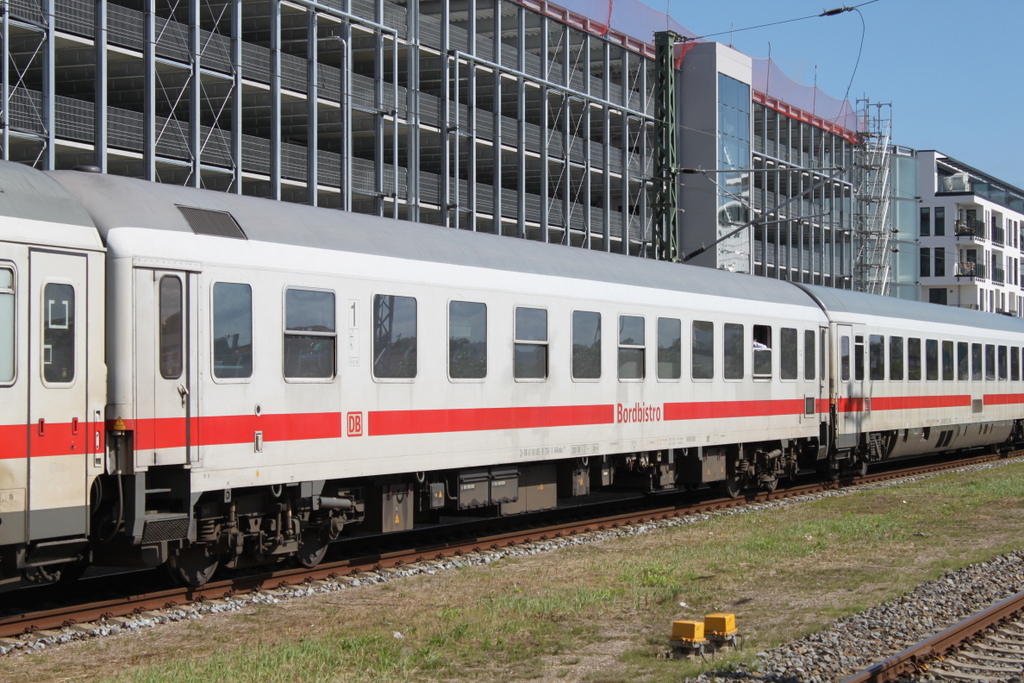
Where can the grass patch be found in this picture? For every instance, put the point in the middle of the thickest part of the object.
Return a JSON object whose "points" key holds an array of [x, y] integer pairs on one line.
{"points": [[593, 613]]}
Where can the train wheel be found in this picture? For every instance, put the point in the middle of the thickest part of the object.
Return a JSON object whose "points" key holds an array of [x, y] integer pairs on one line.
{"points": [[312, 550], [732, 486], [192, 566]]}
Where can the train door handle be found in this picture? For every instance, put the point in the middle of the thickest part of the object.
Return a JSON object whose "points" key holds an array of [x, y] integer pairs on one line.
{"points": [[183, 392]]}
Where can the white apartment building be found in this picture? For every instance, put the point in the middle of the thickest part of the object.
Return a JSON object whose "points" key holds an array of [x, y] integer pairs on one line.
{"points": [[970, 227]]}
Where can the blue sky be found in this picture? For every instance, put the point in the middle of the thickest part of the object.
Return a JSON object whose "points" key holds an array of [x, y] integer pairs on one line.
{"points": [[952, 70]]}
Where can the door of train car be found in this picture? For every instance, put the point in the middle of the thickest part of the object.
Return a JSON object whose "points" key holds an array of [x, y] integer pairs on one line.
{"points": [[58, 396], [851, 402], [13, 394], [165, 371]]}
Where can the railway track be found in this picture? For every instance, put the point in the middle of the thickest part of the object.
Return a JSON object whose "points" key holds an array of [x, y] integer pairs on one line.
{"points": [[42, 623], [986, 647]]}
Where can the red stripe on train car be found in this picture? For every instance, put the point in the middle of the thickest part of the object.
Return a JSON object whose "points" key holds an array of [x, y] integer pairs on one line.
{"points": [[221, 430], [876, 403], [705, 411], [397, 422], [14, 440], [1003, 399]]}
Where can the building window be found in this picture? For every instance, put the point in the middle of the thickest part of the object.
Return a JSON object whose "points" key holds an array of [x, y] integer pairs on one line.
{"points": [[232, 330], [735, 351], [531, 344], [703, 350], [670, 345], [631, 347], [394, 337], [926, 221], [586, 345], [467, 340], [926, 262], [7, 336], [940, 262], [940, 221]]}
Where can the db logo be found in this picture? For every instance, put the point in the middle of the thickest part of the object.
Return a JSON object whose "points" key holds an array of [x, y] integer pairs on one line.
{"points": [[354, 424]]}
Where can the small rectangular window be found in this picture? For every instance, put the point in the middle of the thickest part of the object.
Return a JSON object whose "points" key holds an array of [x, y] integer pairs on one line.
{"points": [[7, 336], [670, 344], [632, 344], [844, 358], [586, 345], [1003, 370], [925, 221], [963, 361], [931, 359], [531, 344], [1014, 364], [394, 337], [703, 366], [309, 334], [876, 357], [232, 330], [914, 359], [858, 357], [789, 356], [977, 369], [896, 359], [947, 361], [990, 362], [809, 350], [467, 340], [762, 351], [735, 351], [58, 333], [171, 329]]}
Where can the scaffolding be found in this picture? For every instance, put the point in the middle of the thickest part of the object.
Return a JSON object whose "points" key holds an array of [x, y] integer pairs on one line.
{"points": [[874, 222]]}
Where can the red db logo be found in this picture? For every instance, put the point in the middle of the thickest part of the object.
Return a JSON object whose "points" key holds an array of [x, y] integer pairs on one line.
{"points": [[354, 422]]}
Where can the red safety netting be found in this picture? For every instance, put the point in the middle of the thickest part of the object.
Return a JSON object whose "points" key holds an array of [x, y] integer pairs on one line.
{"points": [[806, 102]]}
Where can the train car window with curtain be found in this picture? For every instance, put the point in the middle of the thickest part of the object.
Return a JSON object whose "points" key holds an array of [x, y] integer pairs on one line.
{"points": [[6, 325], [586, 345], [467, 340], [977, 369], [914, 359], [531, 343], [310, 335], [703, 350], [810, 346], [735, 351], [232, 330], [394, 337], [171, 329], [632, 352], [896, 359], [670, 348], [1003, 372], [58, 333], [963, 361], [947, 361], [876, 357], [990, 362], [789, 358]]}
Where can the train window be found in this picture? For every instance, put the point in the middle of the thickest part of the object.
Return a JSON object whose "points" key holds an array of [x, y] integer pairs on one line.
{"points": [[947, 361], [467, 340], [976, 364], [735, 350], [670, 348], [1014, 364], [789, 357], [310, 335], [963, 362], [762, 351], [844, 358], [58, 333], [931, 359], [1002, 364], [914, 359], [531, 344], [6, 325], [858, 357], [586, 345], [703, 363], [394, 337], [631, 347], [896, 359], [171, 329], [232, 330], [809, 349], [990, 362], [876, 357]]}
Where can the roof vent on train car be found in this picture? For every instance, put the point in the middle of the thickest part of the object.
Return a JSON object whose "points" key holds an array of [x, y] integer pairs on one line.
{"points": [[85, 168], [213, 223]]}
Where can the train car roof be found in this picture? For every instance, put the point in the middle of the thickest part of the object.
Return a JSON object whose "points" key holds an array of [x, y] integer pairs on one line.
{"points": [[116, 202], [27, 193], [845, 301]]}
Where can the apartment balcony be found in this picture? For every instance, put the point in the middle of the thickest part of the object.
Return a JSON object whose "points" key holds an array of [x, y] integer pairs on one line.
{"points": [[970, 228], [975, 271], [999, 276], [998, 235]]}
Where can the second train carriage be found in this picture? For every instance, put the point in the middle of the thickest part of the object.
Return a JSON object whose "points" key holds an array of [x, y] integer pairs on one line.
{"points": [[280, 374]]}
